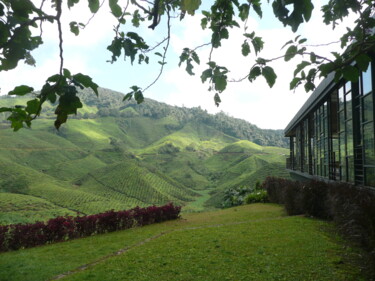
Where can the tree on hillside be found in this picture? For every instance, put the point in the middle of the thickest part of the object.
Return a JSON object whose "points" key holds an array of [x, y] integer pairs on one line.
{"points": [[20, 19]]}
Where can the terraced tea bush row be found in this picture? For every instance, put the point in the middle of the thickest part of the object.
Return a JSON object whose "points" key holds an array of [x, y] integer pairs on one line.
{"points": [[16, 236]]}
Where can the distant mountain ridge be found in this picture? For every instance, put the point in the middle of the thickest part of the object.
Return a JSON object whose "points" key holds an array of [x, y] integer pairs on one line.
{"points": [[109, 103]]}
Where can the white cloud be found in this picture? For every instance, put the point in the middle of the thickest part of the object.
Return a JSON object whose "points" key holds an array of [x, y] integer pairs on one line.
{"points": [[255, 102]]}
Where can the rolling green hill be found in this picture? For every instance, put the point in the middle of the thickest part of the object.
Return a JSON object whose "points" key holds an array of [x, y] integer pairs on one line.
{"points": [[116, 155]]}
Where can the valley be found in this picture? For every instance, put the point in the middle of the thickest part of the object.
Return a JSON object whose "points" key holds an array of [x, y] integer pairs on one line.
{"points": [[117, 155]]}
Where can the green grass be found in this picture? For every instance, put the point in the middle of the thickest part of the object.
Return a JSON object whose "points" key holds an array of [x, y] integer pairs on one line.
{"points": [[252, 242], [198, 205]]}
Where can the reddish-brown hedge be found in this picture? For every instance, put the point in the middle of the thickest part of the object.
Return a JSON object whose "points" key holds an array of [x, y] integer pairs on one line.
{"points": [[17, 236]]}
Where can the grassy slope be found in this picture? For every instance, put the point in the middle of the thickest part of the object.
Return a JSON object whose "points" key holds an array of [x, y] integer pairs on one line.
{"points": [[252, 242], [72, 162]]}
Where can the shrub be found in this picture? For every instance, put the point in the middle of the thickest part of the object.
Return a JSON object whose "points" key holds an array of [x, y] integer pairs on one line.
{"points": [[258, 196], [13, 237], [315, 199], [292, 194], [236, 196], [275, 188]]}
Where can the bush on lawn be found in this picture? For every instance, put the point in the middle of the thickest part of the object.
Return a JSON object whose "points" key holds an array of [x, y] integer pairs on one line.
{"points": [[17, 236]]}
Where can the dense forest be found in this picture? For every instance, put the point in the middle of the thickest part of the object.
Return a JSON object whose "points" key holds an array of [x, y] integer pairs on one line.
{"points": [[109, 103]]}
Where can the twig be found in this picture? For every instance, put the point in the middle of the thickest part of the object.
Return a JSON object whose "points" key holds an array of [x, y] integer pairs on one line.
{"points": [[157, 45], [123, 13], [321, 45], [142, 8], [203, 45], [165, 52], [58, 17], [93, 15]]}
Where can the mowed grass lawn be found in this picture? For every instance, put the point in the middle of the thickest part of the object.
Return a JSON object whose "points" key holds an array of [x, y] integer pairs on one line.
{"points": [[251, 242]]}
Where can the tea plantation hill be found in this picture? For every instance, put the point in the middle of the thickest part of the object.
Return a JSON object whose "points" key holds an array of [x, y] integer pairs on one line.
{"points": [[117, 155]]}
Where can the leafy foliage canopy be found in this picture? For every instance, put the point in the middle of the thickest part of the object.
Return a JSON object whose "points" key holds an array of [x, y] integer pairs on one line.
{"points": [[19, 18]]}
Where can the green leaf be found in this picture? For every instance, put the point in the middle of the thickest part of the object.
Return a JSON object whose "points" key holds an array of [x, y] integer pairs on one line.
{"points": [[5, 109], [67, 73], [250, 35], [204, 23], [72, 2], [220, 82], [338, 76], [206, 74], [217, 99], [270, 75], [86, 81], [350, 73], [74, 28], [308, 8], [94, 5], [115, 8], [128, 96], [313, 57], [301, 66], [190, 6], [290, 53], [257, 44], [245, 48], [254, 73], [115, 48], [189, 67], [326, 68], [195, 57], [21, 90], [33, 106], [138, 96], [136, 19], [256, 4], [287, 43], [54, 78], [309, 86], [363, 61], [244, 11], [18, 117], [294, 83], [224, 33]]}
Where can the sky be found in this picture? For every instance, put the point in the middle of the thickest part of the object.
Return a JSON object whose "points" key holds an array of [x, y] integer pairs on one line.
{"points": [[268, 108]]}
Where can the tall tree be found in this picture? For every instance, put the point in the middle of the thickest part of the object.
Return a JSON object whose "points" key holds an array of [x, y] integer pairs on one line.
{"points": [[17, 41]]}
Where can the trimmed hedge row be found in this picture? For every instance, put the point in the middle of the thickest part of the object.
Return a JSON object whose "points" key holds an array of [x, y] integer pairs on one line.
{"points": [[351, 208], [16, 236]]}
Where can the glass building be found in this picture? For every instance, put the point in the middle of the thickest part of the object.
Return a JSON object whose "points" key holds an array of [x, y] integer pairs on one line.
{"points": [[332, 135]]}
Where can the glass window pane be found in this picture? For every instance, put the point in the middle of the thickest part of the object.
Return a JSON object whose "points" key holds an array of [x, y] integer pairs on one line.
{"points": [[350, 166], [368, 141], [348, 99], [349, 138], [366, 78], [348, 86], [342, 156], [368, 108], [342, 121], [341, 98]]}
